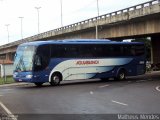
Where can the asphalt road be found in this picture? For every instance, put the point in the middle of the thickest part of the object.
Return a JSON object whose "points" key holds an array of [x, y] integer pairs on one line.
{"points": [[136, 95]]}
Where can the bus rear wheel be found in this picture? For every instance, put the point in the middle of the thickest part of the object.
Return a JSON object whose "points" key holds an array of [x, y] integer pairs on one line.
{"points": [[121, 75], [55, 79]]}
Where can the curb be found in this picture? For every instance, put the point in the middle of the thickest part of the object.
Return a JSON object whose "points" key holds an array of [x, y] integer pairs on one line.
{"points": [[152, 72], [13, 84]]}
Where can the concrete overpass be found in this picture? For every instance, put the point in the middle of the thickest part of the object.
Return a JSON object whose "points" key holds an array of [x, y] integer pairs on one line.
{"points": [[142, 20]]}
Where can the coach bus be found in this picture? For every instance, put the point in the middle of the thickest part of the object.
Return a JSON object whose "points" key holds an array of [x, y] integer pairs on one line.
{"points": [[57, 60]]}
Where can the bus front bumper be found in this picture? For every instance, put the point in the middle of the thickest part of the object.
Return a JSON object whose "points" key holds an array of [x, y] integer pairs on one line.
{"points": [[23, 77]]}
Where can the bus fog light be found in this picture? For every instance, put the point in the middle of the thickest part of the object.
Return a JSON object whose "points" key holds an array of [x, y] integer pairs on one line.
{"points": [[29, 76]]}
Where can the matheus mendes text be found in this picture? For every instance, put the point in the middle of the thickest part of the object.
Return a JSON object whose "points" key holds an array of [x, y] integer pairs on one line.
{"points": [[87, 62]]}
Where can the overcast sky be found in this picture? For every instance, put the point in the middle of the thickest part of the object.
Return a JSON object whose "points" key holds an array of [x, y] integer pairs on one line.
{"points": [[50, 14]]}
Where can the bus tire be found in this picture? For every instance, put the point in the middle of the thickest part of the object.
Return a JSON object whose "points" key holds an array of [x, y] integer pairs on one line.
{"points": [[56, 79], [121, 75], [38, 84]]}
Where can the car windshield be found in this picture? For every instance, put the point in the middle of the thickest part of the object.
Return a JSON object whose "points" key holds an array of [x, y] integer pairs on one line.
{"points": [[24, 58]]}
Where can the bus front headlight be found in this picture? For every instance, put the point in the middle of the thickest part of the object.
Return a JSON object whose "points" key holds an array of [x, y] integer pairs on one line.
{"points": [[29, 76], [15, 74]]}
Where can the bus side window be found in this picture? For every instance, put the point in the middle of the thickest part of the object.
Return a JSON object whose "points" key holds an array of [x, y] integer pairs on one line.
{"points": [[42, 57], [118, 50], [73, 51], [58, 51], [86, 51], [90, 52], [70, 51], [98, 51], [127, 50], [133, 53], [139, 50]]}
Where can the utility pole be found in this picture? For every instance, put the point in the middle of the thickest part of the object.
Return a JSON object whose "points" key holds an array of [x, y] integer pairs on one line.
{"points": [[38, 17], [7, 25], [21, 18], [61, 13], [97, 20]]}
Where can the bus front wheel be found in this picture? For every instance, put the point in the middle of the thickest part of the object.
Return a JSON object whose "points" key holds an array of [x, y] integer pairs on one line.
{"points": [[55, 79], [121, 75]]}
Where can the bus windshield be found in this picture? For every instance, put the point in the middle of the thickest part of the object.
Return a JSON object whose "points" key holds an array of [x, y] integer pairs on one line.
{"points": [[24, 58]]}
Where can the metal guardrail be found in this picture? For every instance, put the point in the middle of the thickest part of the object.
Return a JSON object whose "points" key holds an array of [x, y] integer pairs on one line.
{"points": [[94, 19], [139, 6]]}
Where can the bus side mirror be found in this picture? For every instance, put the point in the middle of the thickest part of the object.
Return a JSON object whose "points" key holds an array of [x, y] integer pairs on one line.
{"points": [[15, 55]]}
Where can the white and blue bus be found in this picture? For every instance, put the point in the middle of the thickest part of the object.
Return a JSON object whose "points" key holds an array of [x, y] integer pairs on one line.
{"points": [[54, 61]]}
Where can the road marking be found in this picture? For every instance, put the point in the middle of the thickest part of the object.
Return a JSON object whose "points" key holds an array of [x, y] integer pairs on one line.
{"points": [[10, 115], [141, 81], [1, 95], [8, 89], [91, 92], [102, 86], [158, 88], [119, 103]]}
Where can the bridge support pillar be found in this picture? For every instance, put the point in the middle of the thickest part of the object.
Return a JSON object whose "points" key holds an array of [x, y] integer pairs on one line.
{"points": [[155, 50]]}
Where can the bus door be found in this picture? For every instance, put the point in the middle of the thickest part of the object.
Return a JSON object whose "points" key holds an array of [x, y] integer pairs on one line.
{"points": [[41, 63]]}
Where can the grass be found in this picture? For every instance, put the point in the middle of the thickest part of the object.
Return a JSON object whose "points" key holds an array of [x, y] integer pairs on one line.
{"points": [[9, 80]]}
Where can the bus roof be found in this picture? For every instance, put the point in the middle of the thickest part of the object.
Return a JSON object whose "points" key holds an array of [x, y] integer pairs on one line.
{"points": [[79, 41]]}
